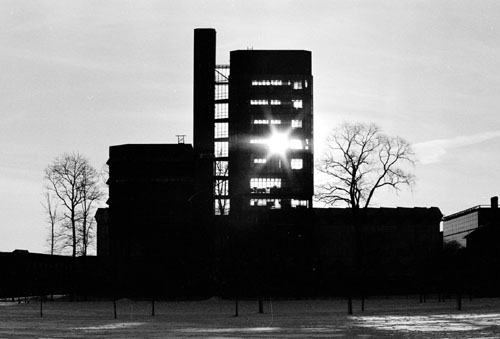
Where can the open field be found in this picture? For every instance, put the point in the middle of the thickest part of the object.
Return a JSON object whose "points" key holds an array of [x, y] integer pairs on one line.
{"points": [[214, 318]]}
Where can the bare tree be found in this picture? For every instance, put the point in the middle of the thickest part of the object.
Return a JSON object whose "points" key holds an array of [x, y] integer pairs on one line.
{"points": [[52, 219], [360, 160], [74, 183]]}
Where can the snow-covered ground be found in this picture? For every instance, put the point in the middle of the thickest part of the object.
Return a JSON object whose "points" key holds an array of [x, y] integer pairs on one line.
{"points": [[214, 318]]}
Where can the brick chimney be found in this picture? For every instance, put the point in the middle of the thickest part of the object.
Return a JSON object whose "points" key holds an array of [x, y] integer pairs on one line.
{"points": [[494, 202]]}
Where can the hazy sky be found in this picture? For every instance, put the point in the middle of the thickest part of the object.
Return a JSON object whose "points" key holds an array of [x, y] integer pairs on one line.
{"points": [[84, 75]]}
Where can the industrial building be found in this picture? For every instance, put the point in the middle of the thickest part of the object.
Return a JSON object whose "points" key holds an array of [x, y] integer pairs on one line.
{"points": [[236, 207], [255, 117]]}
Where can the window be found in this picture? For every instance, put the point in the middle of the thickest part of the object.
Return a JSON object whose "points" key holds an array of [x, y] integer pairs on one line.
{"points": [[221, 168], [221, 111], [221, 149], [296, 123], [275, 122], [260, 122], [297, 103], [221, 91], [221, 187], [297, 85], [221, 206], [296, 144], [275, 102], [259, 161], [296, 203], [258, 102], [296, 163], [265, 185], [221, 130]]}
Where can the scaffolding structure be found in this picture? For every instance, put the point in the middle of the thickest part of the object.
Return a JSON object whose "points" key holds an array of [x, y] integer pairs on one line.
{"points": [[221, 140]]}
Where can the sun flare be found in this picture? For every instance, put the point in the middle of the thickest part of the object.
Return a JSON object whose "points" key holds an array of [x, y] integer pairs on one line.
{"points": [[278, 143]]}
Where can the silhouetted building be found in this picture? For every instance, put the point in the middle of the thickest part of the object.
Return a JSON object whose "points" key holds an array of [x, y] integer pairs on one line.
{"points": [[308, 252], [150, 187], [393, 245], [458, 225], [259, 122], [270, 130]]}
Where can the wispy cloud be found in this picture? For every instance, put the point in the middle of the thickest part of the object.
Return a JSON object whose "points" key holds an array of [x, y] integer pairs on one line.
{"points": [[432, 151]]}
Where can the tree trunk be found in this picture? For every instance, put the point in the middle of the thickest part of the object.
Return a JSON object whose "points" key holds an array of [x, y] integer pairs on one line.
{"points": [[73, 232]]}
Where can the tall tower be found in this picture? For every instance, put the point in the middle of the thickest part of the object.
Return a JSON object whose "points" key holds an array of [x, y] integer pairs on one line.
{"points": [[203, 118], [270, 130], [203, 89], [253, 123]]}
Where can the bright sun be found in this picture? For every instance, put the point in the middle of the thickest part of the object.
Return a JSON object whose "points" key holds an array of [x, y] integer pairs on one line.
{"points": [[278, 143]]}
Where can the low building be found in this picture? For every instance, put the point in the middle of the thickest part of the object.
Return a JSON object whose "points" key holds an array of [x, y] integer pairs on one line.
{"points": [[323, 251], [457, 226]]}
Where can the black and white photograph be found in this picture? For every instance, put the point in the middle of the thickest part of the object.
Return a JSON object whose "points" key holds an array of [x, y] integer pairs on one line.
{"points": [[249, 169]]}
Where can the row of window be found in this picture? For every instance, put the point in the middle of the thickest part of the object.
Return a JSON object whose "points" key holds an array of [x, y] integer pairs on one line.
{"points": [[294, 144], [221, 148], [222, 128], [265, 183], [274, 102], [295, 123], [266, 122], [294, 163], [272, 203], [295, 84], [276, 203]]}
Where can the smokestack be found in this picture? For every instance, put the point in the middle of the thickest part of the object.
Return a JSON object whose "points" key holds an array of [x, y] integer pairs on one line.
{"points": [[204, 90], [494, 202]]}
